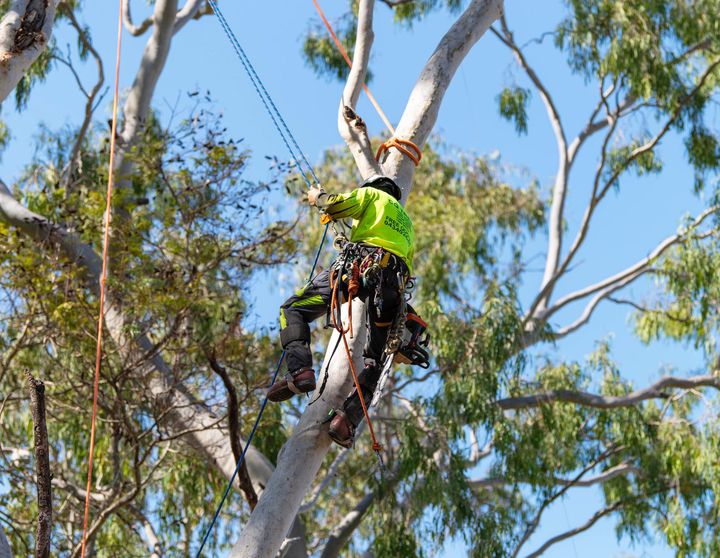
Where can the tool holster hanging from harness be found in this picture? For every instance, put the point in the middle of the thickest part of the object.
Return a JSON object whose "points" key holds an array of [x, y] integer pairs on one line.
{"points": [[414, 342]]}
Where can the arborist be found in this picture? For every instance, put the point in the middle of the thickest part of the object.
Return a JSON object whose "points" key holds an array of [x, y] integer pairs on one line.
{"points": [[374, 267]]}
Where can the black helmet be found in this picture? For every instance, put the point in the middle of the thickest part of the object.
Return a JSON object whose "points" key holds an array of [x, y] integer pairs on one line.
{"points": [[385, 184]]}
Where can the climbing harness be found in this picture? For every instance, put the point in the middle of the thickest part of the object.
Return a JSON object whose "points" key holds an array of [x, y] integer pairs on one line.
{"points": [[103, 281], [405, 146], [359, 266], [347, 267], [297, 155]]}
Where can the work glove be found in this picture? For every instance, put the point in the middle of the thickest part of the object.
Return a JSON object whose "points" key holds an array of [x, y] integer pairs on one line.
{"points": [[312, 195]]}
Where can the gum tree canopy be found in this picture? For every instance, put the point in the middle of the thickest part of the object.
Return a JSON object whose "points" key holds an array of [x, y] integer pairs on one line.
{"points": [[480, 445]]}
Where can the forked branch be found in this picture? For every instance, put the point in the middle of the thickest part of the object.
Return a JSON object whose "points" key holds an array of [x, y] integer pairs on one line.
{"points": [[351, 127]]}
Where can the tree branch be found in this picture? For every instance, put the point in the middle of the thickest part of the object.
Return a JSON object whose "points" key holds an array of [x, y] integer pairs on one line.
{"points": [[611, 473], [561, 177], [341, 534], [351, 127], [424, 102], [234, 427], [25, 32], [594, 302], [332, 471], [599, 192], [536, 520], [134, 30], [584, 527], [42, 468], [609, 285], [137, 105], [184, 414], [585, 399], [190, 10], [5, 551], [153, 540], [345, 528], [90, 103]]}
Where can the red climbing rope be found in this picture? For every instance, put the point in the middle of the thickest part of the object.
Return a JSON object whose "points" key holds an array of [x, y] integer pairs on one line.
{"points": [[103, 280], [402, 145]]}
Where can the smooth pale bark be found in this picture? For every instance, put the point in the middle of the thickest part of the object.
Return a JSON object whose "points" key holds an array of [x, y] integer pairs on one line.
{"points": [[24, 33], [564, 161], [424, 102], [350, 126], [137, 106], [187, 417], [5, 551], [302, 455]]}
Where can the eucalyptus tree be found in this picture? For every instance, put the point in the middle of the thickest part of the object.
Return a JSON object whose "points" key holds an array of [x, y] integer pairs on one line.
{"points": [[183, 226], [654, 63], [184, 245]]}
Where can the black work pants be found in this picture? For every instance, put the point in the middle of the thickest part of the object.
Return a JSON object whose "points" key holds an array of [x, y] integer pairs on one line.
{"points": [[313, 301]]}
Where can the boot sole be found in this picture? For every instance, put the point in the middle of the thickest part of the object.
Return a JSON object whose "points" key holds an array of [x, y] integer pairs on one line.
{"points": [[284, 393], [346, 443]]}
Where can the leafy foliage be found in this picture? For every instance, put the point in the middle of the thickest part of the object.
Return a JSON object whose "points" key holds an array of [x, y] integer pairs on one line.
{"points": [[664, 52], [194, 234], [36, 74], [513, 106], [470, 455], [321, 53]]}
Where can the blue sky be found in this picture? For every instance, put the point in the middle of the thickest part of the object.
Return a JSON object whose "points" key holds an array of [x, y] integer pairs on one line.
{"points": [[627, 227]]}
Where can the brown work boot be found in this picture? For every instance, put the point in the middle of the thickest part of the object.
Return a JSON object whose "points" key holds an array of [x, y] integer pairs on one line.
{"points": [[300, 381], [341, 430]]}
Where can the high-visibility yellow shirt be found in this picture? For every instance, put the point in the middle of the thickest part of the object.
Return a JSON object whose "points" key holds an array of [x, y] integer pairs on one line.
{"points": [[378, 220]]}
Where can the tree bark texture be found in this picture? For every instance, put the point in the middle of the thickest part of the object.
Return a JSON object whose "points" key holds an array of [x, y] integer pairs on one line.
{"points": [[24, 33], [42, 468]]}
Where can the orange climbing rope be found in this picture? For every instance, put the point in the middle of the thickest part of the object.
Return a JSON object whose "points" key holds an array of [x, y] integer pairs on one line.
{"points": [[406, 147], [103, 279]]}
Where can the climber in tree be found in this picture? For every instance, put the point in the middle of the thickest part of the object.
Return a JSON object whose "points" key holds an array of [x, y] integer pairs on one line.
{"points": [[380, 248]]}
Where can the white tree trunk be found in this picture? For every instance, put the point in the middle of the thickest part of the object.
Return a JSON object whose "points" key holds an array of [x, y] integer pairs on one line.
{"points": [[302, 455], [24, 33], [5, 551]]}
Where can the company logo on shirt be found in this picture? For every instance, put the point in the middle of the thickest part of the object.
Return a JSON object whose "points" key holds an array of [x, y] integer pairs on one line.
{"points": [[400, 223]]}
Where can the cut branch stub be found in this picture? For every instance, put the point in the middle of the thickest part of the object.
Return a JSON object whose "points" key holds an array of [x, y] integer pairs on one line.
{"points": [[42, 468]]}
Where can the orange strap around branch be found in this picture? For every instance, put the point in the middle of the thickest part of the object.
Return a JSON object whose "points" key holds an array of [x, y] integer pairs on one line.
{"points": [[406, 147], [401, 144], [103, 281]]}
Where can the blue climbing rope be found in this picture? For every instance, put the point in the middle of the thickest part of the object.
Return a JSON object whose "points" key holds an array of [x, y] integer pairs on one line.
{"points": [[288, 139], [279, 122]]}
